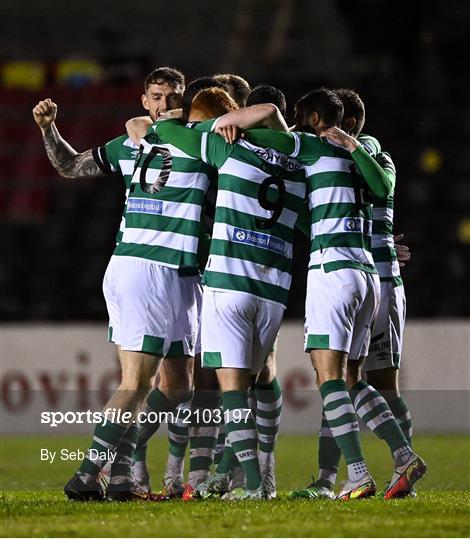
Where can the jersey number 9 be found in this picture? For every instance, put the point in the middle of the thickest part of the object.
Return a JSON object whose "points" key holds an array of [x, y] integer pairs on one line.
{"points": [[276, 206]]}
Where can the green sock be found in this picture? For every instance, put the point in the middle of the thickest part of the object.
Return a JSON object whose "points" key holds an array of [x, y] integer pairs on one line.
{"points": [[178, 432], [157, 403], [268, 414], [329, 455], [402, 414], [373, 410], [219, 448], [228, 459], [203, 433], [342, 419], [141, 454], [241, 430], [122, 464], [105, 438]]}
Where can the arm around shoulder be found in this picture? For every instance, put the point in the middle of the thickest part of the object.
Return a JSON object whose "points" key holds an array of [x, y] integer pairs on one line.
{"points": [[381, 181]]}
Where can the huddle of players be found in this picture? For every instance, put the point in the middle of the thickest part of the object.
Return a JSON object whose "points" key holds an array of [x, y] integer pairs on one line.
{"points": [[153, 291]]}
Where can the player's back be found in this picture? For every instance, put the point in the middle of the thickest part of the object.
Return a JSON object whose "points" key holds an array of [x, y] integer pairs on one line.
{"points": [[260, 193], [340, 203]]}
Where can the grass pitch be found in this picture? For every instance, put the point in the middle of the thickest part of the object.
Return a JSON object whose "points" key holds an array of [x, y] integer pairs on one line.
{"points": [[33, 503]]}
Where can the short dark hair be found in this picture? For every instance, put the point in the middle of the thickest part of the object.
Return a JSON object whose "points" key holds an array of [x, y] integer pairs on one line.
{"points": [[193, 88], [353, 108], [236, 86], [264, 93], [163, 75], [324, 102]]}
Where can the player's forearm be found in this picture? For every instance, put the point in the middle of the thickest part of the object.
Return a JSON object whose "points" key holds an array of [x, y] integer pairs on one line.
{"points": [[277, 140], [186, 139], [137, 127], [380, 181], [264, 115], [67, 161]]}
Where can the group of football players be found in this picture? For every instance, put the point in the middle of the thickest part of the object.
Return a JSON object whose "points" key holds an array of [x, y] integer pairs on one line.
{"points": [[216, 184]]}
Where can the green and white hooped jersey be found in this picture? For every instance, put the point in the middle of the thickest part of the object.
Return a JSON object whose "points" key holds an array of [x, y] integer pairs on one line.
{"points": [[383, 246], [340, 203], [260, 193], [118, 155], [164, 226]]}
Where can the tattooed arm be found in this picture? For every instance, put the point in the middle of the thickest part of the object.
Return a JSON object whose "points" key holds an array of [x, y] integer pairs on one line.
{"points": [[67, 162]]}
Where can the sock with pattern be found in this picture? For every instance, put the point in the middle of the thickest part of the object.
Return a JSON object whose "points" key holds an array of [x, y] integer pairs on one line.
{"points": [[178, 432], [105, 439], [219, 448], [228, 460], [402, 414], [268, 416], [121, 467], [342, 420], [203, 433], [329, 455], [241, 430], [157, 403], [373, 410]]}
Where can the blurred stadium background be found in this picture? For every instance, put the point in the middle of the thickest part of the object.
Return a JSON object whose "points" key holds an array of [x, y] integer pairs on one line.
{"points": [[407, 60]]}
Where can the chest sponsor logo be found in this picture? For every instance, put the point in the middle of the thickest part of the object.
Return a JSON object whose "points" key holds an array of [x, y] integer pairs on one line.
{"points": [[356, 225], [144, 206], [252, 238]]}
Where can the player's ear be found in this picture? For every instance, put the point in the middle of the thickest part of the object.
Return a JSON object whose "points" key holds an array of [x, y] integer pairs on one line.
{"points": [[145, 102], [314, 119], [350, 124]]}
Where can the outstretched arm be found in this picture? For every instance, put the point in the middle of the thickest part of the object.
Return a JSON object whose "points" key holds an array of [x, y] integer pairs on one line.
{"points": [[264, 115], [186, 139], [380, 180], [66, 160]]}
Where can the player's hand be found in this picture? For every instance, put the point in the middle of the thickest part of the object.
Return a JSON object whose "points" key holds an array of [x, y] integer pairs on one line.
{"points": [[137, 128], [170, 115], [403, 252], [231, 134], [340, 137], [44, 113]]}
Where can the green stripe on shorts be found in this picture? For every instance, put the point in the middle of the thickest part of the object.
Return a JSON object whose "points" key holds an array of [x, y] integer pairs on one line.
{"points": [[176, 349], [212, 360], [153, 345], [317, 341]]}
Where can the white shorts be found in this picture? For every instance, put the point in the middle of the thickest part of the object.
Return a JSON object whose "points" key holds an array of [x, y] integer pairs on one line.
{"points": [[387, 334], [340, 310], [151, 308], [238, 330]]}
